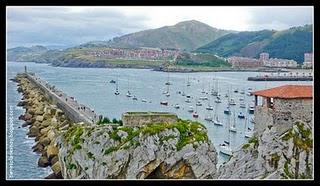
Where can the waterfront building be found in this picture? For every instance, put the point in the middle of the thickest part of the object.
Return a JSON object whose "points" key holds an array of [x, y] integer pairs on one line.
{"points": [[244, 62], [280, 63], [264, 56], [281, 106], [308, 60]]}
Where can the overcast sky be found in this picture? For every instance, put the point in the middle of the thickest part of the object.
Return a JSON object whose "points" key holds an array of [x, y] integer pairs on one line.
{"points": [[67, 26]]}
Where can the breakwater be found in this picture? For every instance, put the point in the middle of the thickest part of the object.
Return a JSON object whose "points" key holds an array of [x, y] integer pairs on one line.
{"points": [[281, 78], [77, 112], [49, 112]]}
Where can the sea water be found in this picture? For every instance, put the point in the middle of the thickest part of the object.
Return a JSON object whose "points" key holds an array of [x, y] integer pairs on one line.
{"points": [[92, 87]]}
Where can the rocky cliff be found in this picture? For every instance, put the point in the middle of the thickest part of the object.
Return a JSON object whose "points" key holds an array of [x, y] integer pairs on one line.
{"points": [[178, 150], [273, 156]]}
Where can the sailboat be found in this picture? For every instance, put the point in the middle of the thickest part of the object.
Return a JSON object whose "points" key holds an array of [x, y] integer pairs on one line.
{"points": [[226, 147], [242, 104], [251, 109], [168, 82], [231, 100], [188, 83], [213, 90], [117, 88], [208, 116], [195, 114], [248, 132], [128, 93], [233, 127], [167, 93], [209, 107], [216, 120]]}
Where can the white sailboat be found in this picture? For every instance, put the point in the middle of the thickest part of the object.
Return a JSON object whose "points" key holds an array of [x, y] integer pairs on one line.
{"points": [[188, 82], [233, 126], [216, 119], [248, 132], [128, 93], [214, 91], [225, 148], [117, 88]]}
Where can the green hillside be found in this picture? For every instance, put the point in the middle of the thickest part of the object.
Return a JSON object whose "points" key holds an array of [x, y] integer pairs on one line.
{"points": [[187, 35], [288, 44], [25, 53]]}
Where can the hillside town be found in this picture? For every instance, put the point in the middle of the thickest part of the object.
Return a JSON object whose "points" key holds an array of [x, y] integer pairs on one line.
{"points": [[136, 53]]}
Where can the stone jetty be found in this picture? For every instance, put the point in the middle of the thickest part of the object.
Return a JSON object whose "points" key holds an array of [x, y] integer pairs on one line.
{"points": [[74, 110]]}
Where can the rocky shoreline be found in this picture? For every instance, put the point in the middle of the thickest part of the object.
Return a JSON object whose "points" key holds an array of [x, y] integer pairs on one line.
{"points": [[44, 121]]}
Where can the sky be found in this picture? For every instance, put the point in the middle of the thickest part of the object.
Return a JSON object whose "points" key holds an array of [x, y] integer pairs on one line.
{"points": [[73, 25]]}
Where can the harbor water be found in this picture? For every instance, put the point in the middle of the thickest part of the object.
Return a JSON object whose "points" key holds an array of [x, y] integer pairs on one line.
{"points": [[92, 87]]}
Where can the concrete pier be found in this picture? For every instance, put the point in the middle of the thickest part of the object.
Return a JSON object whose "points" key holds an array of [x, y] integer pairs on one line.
{"points": [[77, 112]]}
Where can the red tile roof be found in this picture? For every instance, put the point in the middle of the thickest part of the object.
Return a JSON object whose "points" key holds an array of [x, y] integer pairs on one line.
{"points": [[287, 92]]}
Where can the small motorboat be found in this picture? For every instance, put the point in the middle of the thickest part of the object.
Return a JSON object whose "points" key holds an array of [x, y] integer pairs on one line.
{"points": [[167, 94], [195, 115], [183, 94], [232, 102], [242, 92], [242, 105], [134, 98], [190, 109], [236, 91], [241, 99], [203, 98], [177, 106], [188, 100], [225, 149], [199, 103], [217, 122], [218, 100], [144, 100], [117, 92], [188, 96], [128, 94], [227, 111], [233, 129], [209, 107], [248, 134], [208, 118], [112, 81], [214, 93], [241, 115], [167, 83], [164, 103]]}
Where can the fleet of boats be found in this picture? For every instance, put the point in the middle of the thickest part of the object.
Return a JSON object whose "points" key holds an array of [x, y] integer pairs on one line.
{"points": [[212, 115]]}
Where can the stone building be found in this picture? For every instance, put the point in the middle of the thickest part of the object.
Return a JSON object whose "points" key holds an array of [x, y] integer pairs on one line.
{"points": [[281, 106], [142, 118]]}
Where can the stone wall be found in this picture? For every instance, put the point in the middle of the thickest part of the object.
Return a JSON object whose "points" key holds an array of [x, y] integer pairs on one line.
{"points": [[142, 118], [73, 114], [284, 114]]}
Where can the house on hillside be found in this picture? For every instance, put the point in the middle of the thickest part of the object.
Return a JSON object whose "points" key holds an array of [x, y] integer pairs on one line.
{"points": [[281, 106]]}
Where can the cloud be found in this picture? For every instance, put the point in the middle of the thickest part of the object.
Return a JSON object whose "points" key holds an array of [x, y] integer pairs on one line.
{"points": [[74, 25], [31, 26], [279, 18]]}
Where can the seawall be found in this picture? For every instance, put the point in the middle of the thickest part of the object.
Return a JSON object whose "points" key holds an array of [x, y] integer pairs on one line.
{"points": [[69, 107]]}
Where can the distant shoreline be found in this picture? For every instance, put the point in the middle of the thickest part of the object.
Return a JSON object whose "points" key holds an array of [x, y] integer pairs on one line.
{"points": [[159, 69]]}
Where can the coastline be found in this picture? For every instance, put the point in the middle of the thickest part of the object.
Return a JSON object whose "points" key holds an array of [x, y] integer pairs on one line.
{"points": [[175, 69]]}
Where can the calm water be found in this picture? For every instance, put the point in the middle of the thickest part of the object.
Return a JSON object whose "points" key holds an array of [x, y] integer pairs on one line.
{"points": [[91, 87]]}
